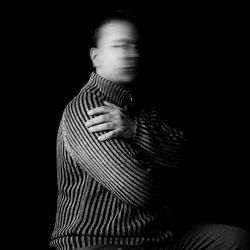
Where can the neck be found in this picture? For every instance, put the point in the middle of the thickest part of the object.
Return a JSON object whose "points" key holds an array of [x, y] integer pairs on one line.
{"points": [[115, 92], [124, 85]]}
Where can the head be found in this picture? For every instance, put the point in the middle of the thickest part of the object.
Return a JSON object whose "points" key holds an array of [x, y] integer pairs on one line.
{"points": [[115, 55]]}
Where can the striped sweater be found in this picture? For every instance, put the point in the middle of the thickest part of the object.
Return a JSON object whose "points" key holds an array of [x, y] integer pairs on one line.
{"points": [[110, 192]]}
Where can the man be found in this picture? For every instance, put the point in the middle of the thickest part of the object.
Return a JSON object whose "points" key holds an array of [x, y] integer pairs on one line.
{"points": [[112, 161]]}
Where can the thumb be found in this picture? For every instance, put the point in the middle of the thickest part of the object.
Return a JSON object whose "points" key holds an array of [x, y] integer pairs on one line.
{"points": [[111, 105]]}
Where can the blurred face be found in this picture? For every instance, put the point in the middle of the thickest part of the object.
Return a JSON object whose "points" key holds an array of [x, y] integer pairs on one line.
{"points": [[116, 55]]}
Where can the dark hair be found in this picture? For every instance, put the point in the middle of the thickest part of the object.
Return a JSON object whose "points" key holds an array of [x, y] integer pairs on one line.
{"points": [[116, 15]]}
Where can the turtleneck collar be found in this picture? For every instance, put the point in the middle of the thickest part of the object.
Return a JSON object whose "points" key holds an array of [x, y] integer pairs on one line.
{"points": [[115, 92]]}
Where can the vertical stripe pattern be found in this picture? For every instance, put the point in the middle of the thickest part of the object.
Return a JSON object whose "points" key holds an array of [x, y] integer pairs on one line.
{"points": [[107, 190]]}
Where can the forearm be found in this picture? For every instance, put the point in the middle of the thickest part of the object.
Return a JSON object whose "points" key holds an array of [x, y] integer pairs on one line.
{"points": [[162, 145], [115, 163]]}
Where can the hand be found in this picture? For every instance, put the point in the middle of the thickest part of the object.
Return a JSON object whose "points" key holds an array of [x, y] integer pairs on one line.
{"points": [[113, 119]]}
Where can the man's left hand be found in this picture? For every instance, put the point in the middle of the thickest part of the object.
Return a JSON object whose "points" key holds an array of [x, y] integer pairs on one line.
{"points": [[113, 119]]}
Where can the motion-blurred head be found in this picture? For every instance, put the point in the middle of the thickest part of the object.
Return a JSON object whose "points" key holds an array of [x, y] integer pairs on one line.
{"points": [[115, 55]]}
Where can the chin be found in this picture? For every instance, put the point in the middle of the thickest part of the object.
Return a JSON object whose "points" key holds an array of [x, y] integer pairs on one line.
{"points": [[127, 79]]}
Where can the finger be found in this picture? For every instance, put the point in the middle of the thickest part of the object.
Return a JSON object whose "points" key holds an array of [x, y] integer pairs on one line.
{"points": [[101, 127], [99, 110], [111, 105], [108, 136], [97, 120]]}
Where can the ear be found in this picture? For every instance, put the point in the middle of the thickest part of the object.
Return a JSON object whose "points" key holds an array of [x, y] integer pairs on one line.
{"points": [[94, 55]]}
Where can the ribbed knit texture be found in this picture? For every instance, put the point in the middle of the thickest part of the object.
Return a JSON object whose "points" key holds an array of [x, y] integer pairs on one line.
{"points": [[108, 191]]}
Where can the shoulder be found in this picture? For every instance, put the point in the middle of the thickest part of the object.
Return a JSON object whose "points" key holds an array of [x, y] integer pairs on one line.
{"points": [[85, 100]]}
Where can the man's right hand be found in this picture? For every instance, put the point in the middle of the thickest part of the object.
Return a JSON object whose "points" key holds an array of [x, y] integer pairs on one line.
{"points": [[113, 119]]}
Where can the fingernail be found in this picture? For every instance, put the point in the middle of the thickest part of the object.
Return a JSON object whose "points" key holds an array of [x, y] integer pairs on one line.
{"points": [[100, 138]]}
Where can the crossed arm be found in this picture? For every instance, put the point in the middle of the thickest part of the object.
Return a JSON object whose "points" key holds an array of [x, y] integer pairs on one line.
{"points": [[110, 145], [162, 144], [115, 164]]}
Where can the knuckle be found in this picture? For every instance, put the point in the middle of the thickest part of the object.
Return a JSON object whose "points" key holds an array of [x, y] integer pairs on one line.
{"points": [[106, 109], [118, 115], [101, 118], [111, 116], [116, 111], [108, 126], [108, 117]]}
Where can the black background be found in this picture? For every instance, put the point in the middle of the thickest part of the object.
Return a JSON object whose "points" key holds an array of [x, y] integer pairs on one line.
{"points": [[194, 72]]}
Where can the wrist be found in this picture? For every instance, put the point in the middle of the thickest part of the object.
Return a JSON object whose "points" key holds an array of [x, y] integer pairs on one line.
{"points": [[133, 128]]}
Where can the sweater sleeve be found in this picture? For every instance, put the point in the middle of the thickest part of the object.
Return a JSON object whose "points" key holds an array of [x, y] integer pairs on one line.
{"points": [[116, 164], [161, 143]]}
